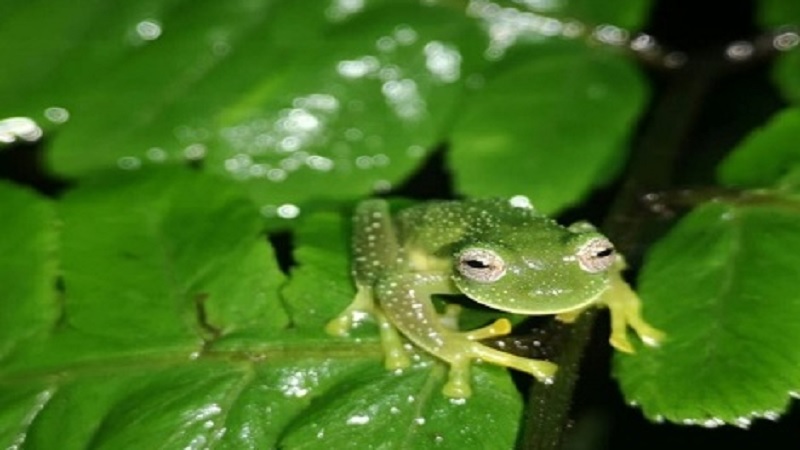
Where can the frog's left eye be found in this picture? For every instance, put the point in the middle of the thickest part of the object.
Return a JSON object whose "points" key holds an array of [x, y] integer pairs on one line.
{"points": [[597, 255], [481, 265]]}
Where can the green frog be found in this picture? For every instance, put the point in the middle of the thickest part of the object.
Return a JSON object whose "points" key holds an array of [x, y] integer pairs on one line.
{"points": [[500, 253]]}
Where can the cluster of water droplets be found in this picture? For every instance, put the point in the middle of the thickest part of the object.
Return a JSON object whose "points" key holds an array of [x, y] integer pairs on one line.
{"points": [[743, 422], [308, 134], [507, 26]]}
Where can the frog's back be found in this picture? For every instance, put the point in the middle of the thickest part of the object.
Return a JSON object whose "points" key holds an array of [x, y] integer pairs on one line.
{"points": [[432, 226]]}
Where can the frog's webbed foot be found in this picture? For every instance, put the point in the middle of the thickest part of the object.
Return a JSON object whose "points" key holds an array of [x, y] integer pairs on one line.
{"points": [[462, 349], [625, 308], [361, 306], [449, 320], [395, 354], [458, 382]]}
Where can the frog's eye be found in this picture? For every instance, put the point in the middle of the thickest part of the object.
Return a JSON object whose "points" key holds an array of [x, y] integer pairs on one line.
{"points": [[597, 255], [481, 265]]}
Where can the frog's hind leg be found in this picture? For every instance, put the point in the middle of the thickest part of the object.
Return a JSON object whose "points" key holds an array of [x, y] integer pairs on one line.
{"points": [[375, 249], [458, 383]]}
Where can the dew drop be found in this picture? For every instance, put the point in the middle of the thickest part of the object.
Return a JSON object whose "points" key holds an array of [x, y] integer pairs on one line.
{"points": [[341, 9], [520, 201], [148, 30], [276, 174], [319, 163], [713, 422], [643, 43], [156, 154], [771, 415], [288, 211], [458, 401], [194, 152], [610, 34], [364, 162], [405, 35], [22, 128], [129, 163], [385, 44], [743, 422], [415, 151], [358, 68], [382, 186], [56, 114], [443, 61], [359, 419], [739, 51], [786, 41], [353, 134]]}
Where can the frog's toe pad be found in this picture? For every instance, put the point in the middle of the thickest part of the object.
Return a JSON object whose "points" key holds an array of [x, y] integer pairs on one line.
{"points": [[544, 371], [339, 326], [621, 343], [652, 337]]}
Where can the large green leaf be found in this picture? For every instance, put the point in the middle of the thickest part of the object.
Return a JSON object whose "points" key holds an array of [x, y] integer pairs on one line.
{"points": [[286, 97], [351, 103], [723, 285], [168, 331], [554, 120], [27, 267]]}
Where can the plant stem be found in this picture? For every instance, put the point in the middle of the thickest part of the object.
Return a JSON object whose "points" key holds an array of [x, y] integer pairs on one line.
{"points": [[651, 166]]}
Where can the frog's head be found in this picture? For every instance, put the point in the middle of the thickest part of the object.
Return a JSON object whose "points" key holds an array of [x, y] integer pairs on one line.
{"points": [[542, 268]]}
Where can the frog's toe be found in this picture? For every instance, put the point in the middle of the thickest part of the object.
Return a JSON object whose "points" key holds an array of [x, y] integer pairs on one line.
{"points": [[457, 389], [458, 380], [396, 358], [651, 336], [544, 371], [340, 326], [621, 343], [499, 327]]}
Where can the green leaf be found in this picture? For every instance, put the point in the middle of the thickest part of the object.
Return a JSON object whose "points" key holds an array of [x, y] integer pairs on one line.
{"points": [[551, 125], [380, 408], [774, 13], [786, 71], [630, 14], [27, 268], [381, 411], [353, 103], [723, 286], [766, 155], [323, 255], [169, 331]]}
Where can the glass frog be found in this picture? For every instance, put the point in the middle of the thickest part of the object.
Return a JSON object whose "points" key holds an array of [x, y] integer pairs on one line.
{"points": [[499, 253]]}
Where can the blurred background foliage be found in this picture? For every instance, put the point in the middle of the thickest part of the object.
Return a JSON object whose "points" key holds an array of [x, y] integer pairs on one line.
{"points": [[148, 148]]}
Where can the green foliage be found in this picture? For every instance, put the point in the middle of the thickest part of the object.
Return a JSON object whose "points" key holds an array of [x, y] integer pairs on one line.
{"points": [[145, 308], [723, 284], [529, 135]]}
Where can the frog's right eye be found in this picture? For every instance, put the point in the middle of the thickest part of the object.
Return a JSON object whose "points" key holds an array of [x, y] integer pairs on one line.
{"points": [[481, 265]]}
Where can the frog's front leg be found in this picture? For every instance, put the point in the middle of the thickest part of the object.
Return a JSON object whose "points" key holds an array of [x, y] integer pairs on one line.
{"points": [[405, 300], [375, 250], [625, 309]]}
